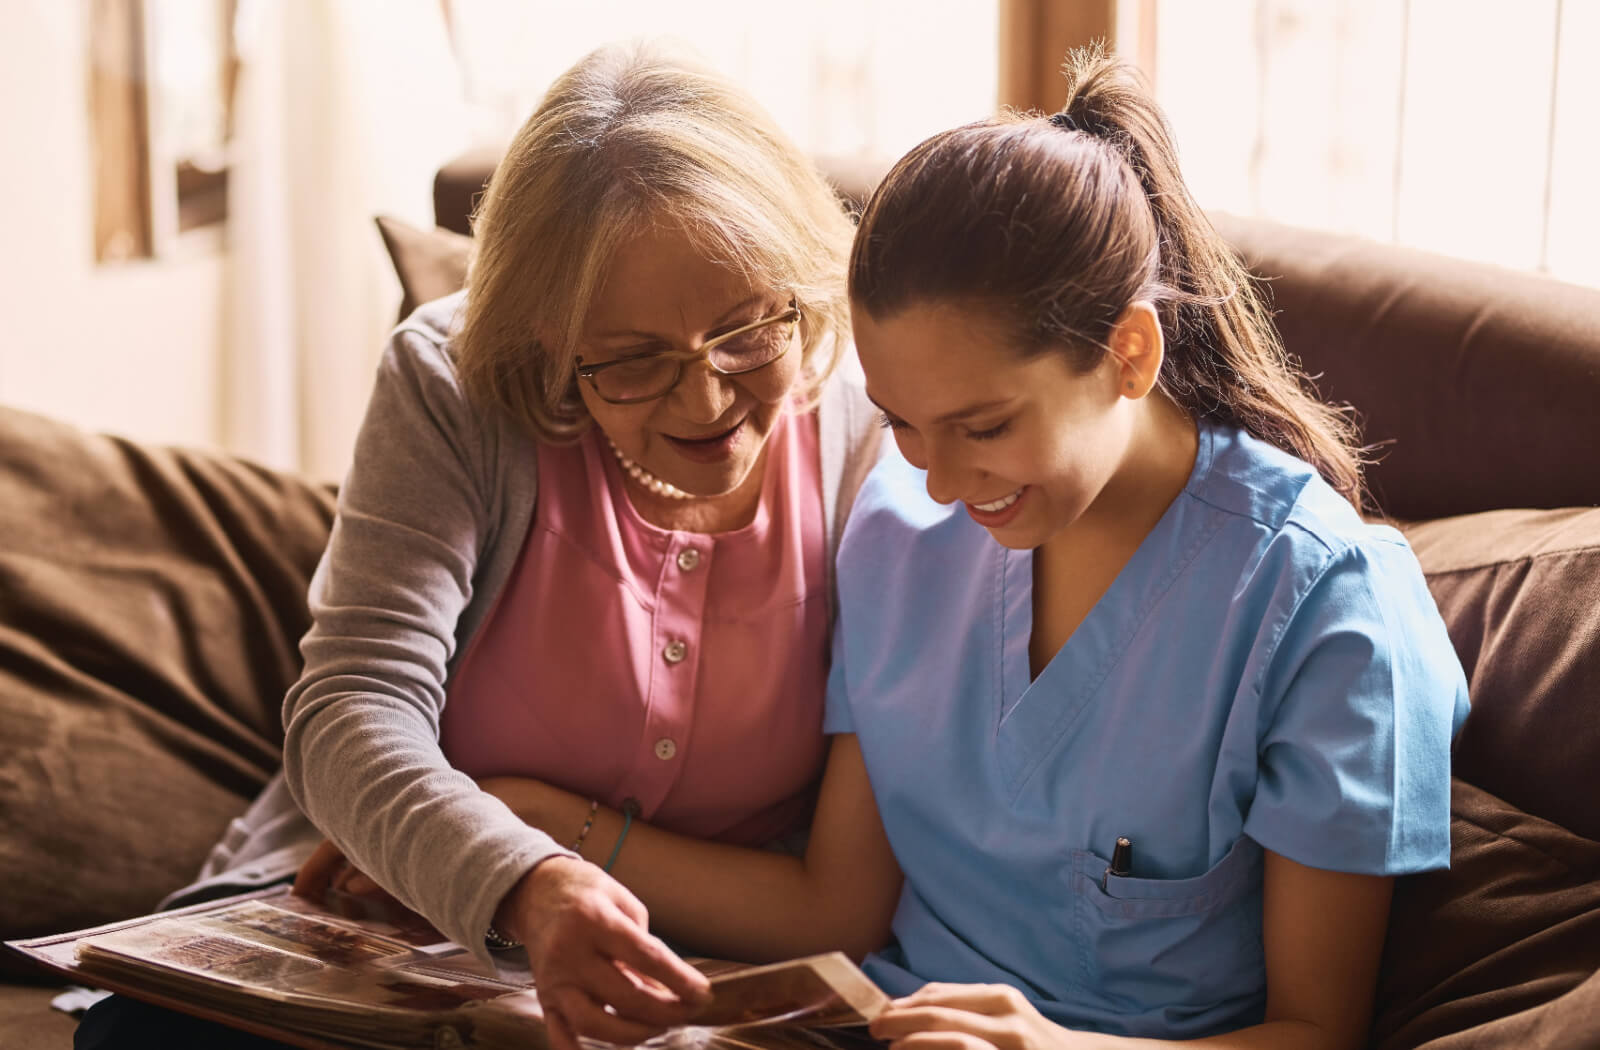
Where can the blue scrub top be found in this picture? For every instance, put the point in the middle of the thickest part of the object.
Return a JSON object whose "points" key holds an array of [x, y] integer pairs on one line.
{"points": [[1267, 671]]}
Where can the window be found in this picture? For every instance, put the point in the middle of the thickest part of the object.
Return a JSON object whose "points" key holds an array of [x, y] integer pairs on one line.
{"points": [[1458, 126]]}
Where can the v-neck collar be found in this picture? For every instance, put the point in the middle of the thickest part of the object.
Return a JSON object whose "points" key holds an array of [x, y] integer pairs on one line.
{"points": [[1034, 713]]}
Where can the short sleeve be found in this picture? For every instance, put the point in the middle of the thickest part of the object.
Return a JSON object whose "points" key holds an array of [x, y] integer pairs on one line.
{"points": [[1359, 703], [836, 717]]}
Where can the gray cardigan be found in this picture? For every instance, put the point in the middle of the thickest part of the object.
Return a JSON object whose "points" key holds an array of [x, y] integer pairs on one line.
{"points": [[431, 521]]}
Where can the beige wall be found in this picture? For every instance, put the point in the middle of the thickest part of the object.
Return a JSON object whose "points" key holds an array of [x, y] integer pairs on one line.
{"points": [[130, 348]]}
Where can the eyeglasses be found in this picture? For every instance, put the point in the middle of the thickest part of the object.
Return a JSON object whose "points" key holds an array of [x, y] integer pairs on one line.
{"points": [[643, 377]]}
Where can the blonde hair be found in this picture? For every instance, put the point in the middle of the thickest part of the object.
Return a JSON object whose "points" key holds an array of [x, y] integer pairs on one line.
{"points": [[635, 135]]}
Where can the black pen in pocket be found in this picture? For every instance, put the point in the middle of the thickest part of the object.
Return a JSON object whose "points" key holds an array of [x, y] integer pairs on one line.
{"points": [[1121, 861]]}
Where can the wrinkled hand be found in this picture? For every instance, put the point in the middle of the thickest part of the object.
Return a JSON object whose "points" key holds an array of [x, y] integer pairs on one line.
{"points": [[972, 1017], [597, 969]]}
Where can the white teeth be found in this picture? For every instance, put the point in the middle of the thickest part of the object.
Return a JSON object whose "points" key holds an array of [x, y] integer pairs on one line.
{"points": [[999, 504]]}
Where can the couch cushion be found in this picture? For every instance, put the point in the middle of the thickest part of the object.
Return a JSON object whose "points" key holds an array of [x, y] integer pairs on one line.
{"points": [[1501, 950], [1520, 593], [431, 264], [151, 605]]}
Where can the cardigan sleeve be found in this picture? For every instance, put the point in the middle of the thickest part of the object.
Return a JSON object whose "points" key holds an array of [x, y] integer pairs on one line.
{"points": [[361, 750]]}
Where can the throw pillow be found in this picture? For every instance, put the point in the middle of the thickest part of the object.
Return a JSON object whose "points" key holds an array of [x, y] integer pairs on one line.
{"points": [[1503, 948], [151, 606], [430, 263], [1520, 593]]}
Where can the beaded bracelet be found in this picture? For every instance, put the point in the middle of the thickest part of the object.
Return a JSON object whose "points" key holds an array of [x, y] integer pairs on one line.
{"points": [[498, 941], [577, 845]]}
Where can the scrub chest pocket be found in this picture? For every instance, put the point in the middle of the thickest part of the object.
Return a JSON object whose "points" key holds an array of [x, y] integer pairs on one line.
{"points": [[1193, 944]]}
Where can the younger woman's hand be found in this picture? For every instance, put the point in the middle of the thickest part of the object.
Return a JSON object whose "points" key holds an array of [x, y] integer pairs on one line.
{"points": [[329, 878], [590, 949], [972, 1017]]}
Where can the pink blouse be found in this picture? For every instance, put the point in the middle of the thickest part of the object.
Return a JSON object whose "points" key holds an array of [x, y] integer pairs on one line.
{"points": [[684, 671]]}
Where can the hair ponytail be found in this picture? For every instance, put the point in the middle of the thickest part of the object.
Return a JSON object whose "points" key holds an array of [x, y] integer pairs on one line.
{"points": [[1061, 223]]}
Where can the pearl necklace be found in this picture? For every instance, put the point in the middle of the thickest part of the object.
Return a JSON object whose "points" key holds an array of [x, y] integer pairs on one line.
{"points": [[647, 479]]}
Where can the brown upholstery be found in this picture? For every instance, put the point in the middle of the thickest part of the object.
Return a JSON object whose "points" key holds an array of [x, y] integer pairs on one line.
{"points": [[1484, 382], [458, 185], [1501, 949], [151, 605], [1520, 592]]}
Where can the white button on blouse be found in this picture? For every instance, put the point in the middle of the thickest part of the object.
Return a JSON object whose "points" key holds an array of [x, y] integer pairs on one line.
{"points": [[666, 748], [675, 652], [688, 559]]}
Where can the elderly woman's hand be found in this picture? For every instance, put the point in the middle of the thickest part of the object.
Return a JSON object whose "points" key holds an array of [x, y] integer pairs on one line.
{"points": [[588, 937], [590, 949]]}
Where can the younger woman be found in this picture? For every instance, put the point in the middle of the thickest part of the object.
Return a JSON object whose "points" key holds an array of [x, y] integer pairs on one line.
{"points": [[1150, 716]]}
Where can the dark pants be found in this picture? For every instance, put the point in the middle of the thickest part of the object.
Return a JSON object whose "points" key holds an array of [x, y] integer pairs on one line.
{"points": [[120, 1023]]}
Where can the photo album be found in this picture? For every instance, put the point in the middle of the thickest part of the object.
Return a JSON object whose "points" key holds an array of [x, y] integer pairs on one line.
{"points": [[282, 966]]}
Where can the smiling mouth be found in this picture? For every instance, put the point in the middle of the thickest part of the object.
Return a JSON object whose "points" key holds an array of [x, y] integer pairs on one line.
{"points": [[713, 448], [708, 438], [999, 504]]}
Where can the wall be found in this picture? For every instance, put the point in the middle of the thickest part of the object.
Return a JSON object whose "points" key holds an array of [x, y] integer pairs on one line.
{"points": [[131, 348]]}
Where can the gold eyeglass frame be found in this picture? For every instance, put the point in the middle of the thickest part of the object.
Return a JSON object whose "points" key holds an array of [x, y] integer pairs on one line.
{"points": [[792, 315]]}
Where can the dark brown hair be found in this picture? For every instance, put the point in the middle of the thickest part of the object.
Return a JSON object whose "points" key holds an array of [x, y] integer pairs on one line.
{"points": [[1053, 226]]}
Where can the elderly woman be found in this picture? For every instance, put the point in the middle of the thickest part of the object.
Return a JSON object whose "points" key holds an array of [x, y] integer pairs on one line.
{"points": [[587, 537]]}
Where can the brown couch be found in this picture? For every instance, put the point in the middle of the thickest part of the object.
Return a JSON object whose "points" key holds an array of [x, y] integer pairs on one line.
{"points": [[151, 599]]}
